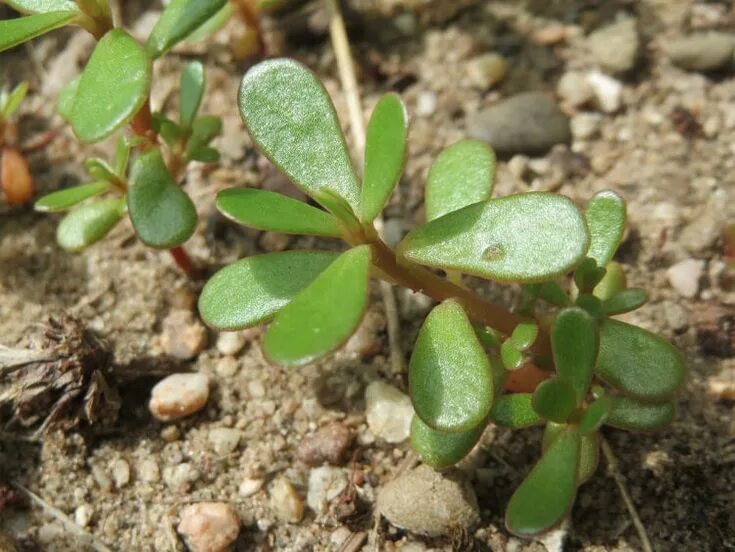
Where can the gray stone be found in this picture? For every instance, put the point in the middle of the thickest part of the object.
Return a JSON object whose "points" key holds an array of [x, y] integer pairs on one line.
{"points": [[429, 503], [708, 51], [530, 123], [615, 47]]}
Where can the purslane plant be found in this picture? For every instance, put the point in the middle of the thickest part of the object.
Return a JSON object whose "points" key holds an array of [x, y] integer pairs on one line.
{"points": [[16, 182], [559, 360]]}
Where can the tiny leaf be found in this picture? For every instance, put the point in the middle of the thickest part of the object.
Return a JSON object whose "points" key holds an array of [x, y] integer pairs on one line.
{"points": [[266, 210], [254, 289], [605, 216], [89, 223], [191, 92], [122, 155], [14, 99], [99, 169], [324, 314], [65, 199], [625, 301], [113, 87], [551, 292], [612, 282], [449, 374], [595, 414], [162, 214], [638, 362], [545, 496], [554, 400], [524, 335], [574, 343], [440, 449], [626, 413], [511, 357], [526, 238], [588, 275], [65, 99], [291, 119], [385, 154], [462, 174], [21, 29], [515, 410], [179, 20]]}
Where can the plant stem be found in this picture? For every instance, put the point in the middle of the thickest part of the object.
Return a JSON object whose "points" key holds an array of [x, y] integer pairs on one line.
{"points": [[183, 261]]}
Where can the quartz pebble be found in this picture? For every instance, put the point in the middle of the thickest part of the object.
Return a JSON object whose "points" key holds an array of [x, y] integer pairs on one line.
{"points": [[179, 395], [248, 487], [485, 70], [573, 89], [684, 276], [389, 412], [426, 103], [83, 515], [327, 444], [286, 503], [325, 484], [149, 471], [120, 472], [615, 47], [607, 90], [230, 343], [586, 125], [224, 440], [183, 336], [209, 526]]}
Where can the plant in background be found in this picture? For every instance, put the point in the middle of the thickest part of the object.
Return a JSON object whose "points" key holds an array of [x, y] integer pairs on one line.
{"points": [[15, 178], [111, 92], [559, 360]]}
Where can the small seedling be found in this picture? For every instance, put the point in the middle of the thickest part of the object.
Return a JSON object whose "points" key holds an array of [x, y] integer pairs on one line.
{"points": [[474, 362], [15, 177]]}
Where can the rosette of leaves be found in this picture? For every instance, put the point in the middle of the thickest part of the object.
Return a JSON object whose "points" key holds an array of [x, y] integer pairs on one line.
{"points": [[596, 370]]}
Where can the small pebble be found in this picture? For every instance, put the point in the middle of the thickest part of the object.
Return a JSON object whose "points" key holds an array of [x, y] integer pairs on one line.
{"points": [[485, 70], [366, 340], [179, 477], [256, 389], [83, 515], [586, 125], [209, 526], [607, 90], [274, 241], [615, 47], [426, 103], [170, 434], [339, 536], [120, 473], [224, 440], [248, 487], [325, 483], [226, 367], [328, 444], [550, 35], [706, 51], [179, 395], [148, 471], [573, 89], [230, 343], [389, 412], [286, 503], [184, 336], [684, 276]]}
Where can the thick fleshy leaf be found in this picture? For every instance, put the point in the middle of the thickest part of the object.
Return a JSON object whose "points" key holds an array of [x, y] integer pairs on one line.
{"points": [[574, 342], [625, 301], [42, 6], [162, 214], [551, 292], [292, 120], [21, 29], [633, 415], [524, 335], [324, 314], [515, 410], [605, 216], [638, 362], [589, 449], [65, 99], [588, 275], [462, 174], [68, 198], [14, 99], [266, 210], [191, 92], [89, 223], [554, 400], [99, 169], [440, 449], [595, 414], [252, 290], [119, 71], [213, 24], [178, 21], [385, 154], [449, 374], [525, 238], [511, 357], [546, 495]]}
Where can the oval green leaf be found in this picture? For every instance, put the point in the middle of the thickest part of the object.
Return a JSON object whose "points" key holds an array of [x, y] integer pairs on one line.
{"points": [[638, 362], [292, 120], [191, 92], [515, 410], [65, 199], [113, 87], [546, 495], [253, 290], [625, 301], [65, 99], [213, 24], [574, 343], [89, 223], [162, 214], [524, 238], [524, 335], [554, 400], [385, 154], [42, 6], [595, 415], [510, 356], [21, 29], [326, 313], [614, 281], [449, 373], [178, 21], [463, 174], [605, 216], [626, 413], [440, 449], [589, 449], [266, 210]]}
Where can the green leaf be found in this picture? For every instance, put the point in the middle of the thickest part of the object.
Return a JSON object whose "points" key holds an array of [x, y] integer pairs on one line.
{"points": [[439, 449], [449, 374], [205, 129], [605, 216], [42, 6], [22, 29], [524, 335], [463, 174], [589, 450], [385, 154], [626, 413], [554, 400], [65, 99], [525, 238], [591, 305], [595, 414], [113, 87], [65, 199], [203, 155], [551, 292], [162, 214], [122, 155], [100, 169], [515, 410], [179, 20], [489, 337], [613, 282], [89, 223], [625, 301], [291, 119], [326, 313], [588, 275], [254, 289], [213, 24], [192, 90], [546, 495], [574, 343], [14, 100], [637, 362], [266, 210], [511, 357]]}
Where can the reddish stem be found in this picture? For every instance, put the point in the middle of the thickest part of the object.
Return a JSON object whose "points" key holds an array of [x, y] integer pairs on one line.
{"points": [[183, 261]]}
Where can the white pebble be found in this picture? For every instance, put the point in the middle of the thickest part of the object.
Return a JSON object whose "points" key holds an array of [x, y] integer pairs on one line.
{"points": [[426, 103], [180, 475], [325, 484], [684, 276], [83, 515], [286, 502], [608, 91], [256, 389], [230, 343], [120, 472], [249, 487], [573, 89], [485, 70], [148, 471], [209, 526], [178, 396], [389, 412], [224, 439], [585, 125]]}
